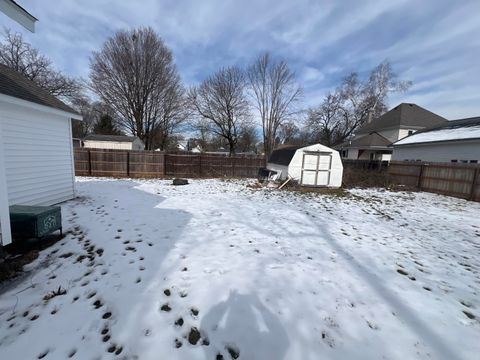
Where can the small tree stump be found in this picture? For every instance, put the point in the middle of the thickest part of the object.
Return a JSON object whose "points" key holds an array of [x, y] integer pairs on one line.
{"points": [[180, 181]]}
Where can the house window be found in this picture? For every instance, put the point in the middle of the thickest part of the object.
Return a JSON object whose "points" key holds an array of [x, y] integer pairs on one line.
{"points": [[454, 161], [473, 161], [464, 161]]}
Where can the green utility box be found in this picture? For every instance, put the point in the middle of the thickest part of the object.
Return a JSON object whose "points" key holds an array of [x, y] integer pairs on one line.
{"points": [[34, 221]]}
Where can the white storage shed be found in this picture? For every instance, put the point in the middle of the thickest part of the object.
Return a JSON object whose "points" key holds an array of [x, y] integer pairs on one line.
{"points": [[314, 165], [36, 156]]}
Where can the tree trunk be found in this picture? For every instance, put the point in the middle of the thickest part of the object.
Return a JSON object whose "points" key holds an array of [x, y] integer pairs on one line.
{"points": [[231, 145]]}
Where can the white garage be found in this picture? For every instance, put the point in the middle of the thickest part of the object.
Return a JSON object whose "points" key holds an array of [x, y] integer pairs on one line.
{"points": [[36, 156], [314, 165]]}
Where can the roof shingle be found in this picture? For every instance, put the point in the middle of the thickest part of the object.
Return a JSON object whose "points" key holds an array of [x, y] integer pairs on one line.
{"points": [[406, 115], [14, 84]]}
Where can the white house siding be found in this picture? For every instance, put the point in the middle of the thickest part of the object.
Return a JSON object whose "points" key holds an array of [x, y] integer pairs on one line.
{"points": [[37, 150], [352, 154], [138, 144], [404, 133], [439, 152], [117, 145]]}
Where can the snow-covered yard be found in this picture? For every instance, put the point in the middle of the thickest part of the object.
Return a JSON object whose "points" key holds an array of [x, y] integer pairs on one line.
{"points": [[261, 274]]}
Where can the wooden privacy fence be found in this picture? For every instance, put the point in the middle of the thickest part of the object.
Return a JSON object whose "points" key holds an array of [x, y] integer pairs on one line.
{"points": [[380, 166], [155, 164], [459, 180]]}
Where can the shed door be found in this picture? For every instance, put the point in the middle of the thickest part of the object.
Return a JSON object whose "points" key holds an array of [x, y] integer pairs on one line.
{"points": [[316, 168]]}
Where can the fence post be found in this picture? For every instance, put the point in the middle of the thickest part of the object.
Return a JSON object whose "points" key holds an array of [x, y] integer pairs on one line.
{"points": [[128, 163], [420, 175], [89, 163], [474, 183], [199, 165], [233, 166], [165, 155]]}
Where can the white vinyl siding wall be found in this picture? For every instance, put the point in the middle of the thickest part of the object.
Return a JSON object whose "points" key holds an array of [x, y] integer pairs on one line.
{"points": [[38, 156], [116, 145], [439, 152]]}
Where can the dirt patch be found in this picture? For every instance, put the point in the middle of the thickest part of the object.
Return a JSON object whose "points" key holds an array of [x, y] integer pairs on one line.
{"points": [[10, 266], [166, 307], [194, 336]]}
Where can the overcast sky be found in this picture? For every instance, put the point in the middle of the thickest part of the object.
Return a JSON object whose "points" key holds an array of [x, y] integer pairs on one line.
{"points": [[435, 44]]}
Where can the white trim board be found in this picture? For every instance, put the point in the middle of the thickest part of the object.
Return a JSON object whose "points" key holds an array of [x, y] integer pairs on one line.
{"points": [[6, 235], [18, 14], [35, 106]]}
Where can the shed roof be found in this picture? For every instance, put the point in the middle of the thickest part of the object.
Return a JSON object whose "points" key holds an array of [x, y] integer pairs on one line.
{"points": [[373, 139], [283, 155], [462, 129], [406, 115], [116, 138], [13, 83]]}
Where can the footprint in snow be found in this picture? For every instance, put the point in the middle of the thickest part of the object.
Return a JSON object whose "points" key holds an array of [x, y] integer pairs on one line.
{"points": [[166, 308], [97, 304], [43, 354], [469, 314], [107, 315], [72, 353]]}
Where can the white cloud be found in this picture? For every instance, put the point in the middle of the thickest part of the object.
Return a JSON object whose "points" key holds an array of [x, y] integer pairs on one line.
{"points": [[434, 43]]}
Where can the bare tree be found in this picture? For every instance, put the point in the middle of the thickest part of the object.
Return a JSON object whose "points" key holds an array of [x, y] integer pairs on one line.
{"points": [[248, 138], [221, 101], [133, 72], [326, 122], [288, 132], [173, 114], [350, 106], [22, 57], [93, 114], [275, 93]]}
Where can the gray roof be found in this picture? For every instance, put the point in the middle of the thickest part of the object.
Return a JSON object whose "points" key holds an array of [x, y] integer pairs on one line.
{"points": [[454, 124], [283, 155], [373, 139], [117, 138], [404, 115], [14, 84]]}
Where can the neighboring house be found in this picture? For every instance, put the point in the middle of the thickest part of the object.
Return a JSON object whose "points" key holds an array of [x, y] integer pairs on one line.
{"points": [[313, 165], [77, 143], [456, 141], [36, 156], [197, 149], [18, 14], [182, 145], [118, 142], [372, 141]]}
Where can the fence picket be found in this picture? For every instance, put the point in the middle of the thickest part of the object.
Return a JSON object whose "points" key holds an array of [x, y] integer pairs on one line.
{"points": [[458, 180], [152, 164]]}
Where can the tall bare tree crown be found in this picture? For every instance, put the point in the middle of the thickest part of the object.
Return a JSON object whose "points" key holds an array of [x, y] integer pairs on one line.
{"points": [[135, 73], [275, 93], [220, 104]]}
